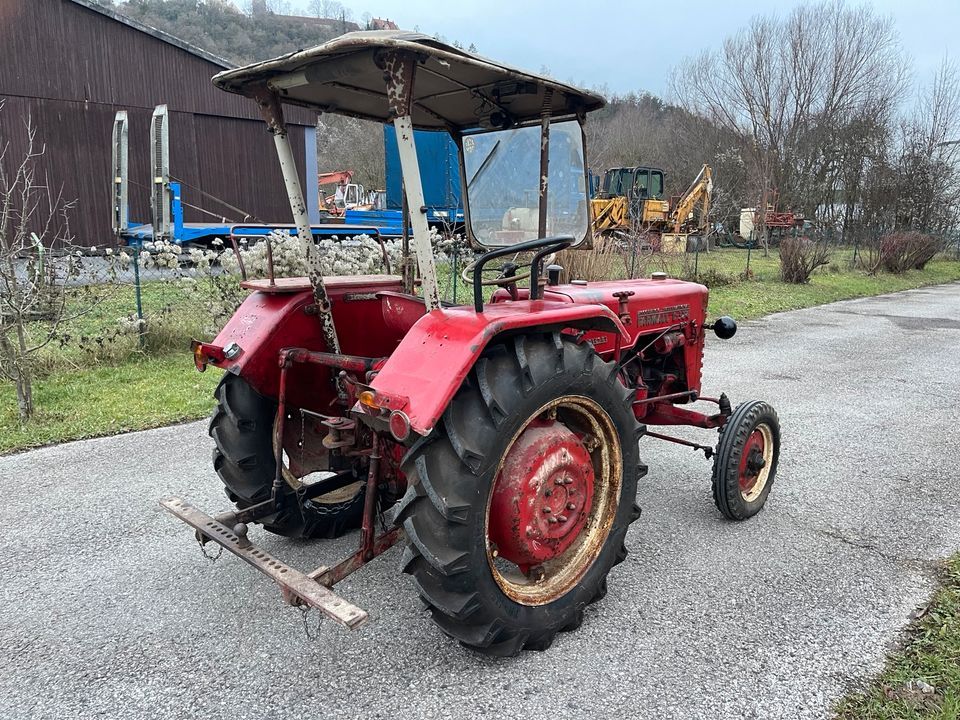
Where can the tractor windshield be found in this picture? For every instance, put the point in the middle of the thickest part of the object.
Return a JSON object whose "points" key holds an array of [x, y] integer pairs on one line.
{"points": [[502, 172]]}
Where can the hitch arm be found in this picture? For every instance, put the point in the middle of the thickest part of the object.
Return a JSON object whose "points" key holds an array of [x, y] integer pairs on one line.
{"points": [[297, 587]]}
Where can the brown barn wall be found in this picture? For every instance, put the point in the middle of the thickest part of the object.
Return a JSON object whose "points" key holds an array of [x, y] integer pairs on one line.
{"points": [[61, 50], [69, 69], [230, 159]]}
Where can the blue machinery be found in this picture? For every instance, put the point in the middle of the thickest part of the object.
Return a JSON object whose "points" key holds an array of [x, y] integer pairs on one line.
{"points": [[438, 157], [439, 163], [166, 203]]}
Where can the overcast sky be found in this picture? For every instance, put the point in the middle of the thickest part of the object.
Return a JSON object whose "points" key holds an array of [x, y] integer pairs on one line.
{"points": [[631, 45]]}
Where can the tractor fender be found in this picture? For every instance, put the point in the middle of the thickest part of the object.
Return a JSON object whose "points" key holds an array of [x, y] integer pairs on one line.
{"points": [[425, 371], [278, 315], [263, 325]]}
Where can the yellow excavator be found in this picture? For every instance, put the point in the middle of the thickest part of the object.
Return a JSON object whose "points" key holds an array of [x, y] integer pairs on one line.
{"points": [[630, 200]]}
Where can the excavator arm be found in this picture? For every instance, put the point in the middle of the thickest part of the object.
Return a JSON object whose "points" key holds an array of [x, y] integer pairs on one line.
{"points": [[338, 177], [699, 191]]}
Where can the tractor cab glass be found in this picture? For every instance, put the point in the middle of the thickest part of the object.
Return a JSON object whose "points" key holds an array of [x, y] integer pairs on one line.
{"points": [[502, 177], [635, 183], [616, 181], [648, 183]]}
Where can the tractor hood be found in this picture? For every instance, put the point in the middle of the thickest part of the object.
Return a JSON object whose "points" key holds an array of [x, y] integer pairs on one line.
{"points": [[652, 303]]}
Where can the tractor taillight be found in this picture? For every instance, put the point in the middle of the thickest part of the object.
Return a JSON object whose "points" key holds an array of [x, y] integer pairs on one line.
{"points": [[399, 425], [199, 356], [368, 398], [204, 353]]}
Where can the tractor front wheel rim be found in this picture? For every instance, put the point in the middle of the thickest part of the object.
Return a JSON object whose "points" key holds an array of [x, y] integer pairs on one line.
{"points": [[755, 461]]}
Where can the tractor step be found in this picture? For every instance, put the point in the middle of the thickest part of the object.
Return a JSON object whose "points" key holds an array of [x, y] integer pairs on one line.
{"points": [[298, 588]]}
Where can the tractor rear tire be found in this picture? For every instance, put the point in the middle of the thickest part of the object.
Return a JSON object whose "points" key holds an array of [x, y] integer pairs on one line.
{"points": [[242, 429], [454, 472], [745, 464]]}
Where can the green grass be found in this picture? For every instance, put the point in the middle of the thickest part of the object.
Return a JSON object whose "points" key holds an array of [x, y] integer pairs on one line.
{"points": [[134, 395], [931, 655], [99, 331], [755, 298], [764, 293]]}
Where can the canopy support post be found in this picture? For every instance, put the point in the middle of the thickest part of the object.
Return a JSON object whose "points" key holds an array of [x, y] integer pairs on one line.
{"points": [[544, 162], [273, 115], [399, 71]]}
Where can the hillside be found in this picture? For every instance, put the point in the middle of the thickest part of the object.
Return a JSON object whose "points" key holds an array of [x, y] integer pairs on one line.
{"points": [[218, 27]]}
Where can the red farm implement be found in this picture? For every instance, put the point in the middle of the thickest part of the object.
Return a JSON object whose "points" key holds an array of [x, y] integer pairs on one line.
{"points": [[500, 440]]}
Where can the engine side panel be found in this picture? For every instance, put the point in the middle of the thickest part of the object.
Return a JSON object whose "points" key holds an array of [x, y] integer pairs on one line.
{"points": [[654, 307]]}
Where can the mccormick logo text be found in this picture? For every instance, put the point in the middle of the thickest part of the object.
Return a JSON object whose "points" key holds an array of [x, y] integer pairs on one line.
{"points": [[670, 315]]}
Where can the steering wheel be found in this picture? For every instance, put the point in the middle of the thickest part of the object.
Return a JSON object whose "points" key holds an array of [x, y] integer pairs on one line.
{"points": [[503, 280], [541, 248]]}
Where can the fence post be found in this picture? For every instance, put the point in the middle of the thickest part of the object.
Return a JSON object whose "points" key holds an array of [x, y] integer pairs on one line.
{"points": [[633, 257], [136, 289], [696, 261], [456, 254], [746, 273]]}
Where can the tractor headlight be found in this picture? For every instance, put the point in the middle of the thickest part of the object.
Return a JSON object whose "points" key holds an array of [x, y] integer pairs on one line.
{"points": [[725, 327]]}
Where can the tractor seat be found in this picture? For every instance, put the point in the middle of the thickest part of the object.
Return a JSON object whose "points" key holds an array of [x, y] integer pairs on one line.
{"points": [[332, 282], [401, 311]]}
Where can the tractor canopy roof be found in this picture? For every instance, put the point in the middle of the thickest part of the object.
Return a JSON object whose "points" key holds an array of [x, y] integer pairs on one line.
{"points": [[452, 90]]}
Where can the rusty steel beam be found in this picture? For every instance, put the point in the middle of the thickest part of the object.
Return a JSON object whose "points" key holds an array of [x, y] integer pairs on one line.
{"points": [[707, 450], [297, 587], [399, 72], [353, 363], [272, 113], [544, 163], [331, 576]]}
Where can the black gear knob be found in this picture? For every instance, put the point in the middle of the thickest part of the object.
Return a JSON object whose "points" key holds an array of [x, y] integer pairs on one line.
{"points": [[553, 274], [725, 327]]}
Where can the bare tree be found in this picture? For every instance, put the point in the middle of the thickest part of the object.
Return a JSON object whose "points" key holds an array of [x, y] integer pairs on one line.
{"points": [[261, 7], [783, 87], [929, 200], [33, 224], [349, 144], [326, 8]]}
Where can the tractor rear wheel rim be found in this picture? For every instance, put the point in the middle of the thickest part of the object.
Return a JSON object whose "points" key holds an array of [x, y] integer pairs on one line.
{"points": [[755, 460], [535, 560]]}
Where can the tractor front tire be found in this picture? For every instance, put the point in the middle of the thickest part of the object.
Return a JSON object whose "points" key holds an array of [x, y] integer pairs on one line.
{"points": [[542, 423], [745, 463], [242, 429]]}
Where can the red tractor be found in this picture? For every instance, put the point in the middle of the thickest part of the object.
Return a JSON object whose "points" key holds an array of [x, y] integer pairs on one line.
{"points": [[499, 441]]}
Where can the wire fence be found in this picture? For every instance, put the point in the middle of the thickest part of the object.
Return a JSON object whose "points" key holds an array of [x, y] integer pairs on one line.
{"points": [[117, 302]]}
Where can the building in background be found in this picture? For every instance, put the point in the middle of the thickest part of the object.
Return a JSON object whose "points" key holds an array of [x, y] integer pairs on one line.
{"points": [[383, 24], [70, 65]]}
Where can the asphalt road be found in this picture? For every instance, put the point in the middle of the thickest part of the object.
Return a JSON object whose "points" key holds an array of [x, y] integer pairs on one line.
{"points": [[110, 611]]}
